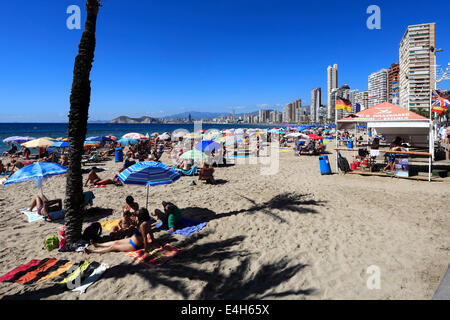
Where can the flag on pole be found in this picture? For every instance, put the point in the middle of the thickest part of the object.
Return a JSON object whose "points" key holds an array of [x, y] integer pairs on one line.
{"points": [[439, 103], [344, 104]]}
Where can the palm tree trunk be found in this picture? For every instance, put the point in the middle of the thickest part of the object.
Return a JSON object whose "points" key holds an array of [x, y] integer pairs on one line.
{"points": [[79, 108]]}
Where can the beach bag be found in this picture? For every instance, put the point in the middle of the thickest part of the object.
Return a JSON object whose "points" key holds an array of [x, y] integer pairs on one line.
{"points": [[92, 232], [343, 164], [362, 152], [51, 242], [62, 236]]}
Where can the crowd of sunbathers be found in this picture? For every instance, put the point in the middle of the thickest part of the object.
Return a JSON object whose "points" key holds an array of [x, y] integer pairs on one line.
{"points": [[135, 229]]}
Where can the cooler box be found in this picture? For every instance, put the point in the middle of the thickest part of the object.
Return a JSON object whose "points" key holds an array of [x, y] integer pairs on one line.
{"points": [[324, 165], [350, 144], [119, 155]]}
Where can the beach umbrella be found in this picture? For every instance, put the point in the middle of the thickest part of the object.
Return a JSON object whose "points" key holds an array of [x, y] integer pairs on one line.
{"points": [[18, 139], [300, 129], [36, 171], [207, 145], [193, 155], [315, 136], [60, 144], [91, 143], [127, 141], [99, 139], [148, 173], [48, 138], [135, 136], [164, 136], [113, 138], [38, 143]]}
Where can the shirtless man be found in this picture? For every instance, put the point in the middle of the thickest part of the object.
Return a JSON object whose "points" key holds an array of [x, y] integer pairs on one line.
{"points": [[95, 180]]}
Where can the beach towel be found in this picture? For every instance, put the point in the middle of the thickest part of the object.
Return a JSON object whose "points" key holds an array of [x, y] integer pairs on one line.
{"points": [[19, 271], [67, 274], [75, 273], [61, 269], [154, 257], [98, 186], [35, 271], [57, 215], [108, 225], [94, 276], [191, 172], [32, 215], [186, 227], [237, 156]]}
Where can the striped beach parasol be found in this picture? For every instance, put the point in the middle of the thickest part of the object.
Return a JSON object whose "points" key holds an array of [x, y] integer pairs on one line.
{"points": [[135, 136], [36, 171], [148, 173], [17, 139]]}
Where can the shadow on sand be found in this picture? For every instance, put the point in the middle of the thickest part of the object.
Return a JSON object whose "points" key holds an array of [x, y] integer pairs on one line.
{"points": [[177, 273]]}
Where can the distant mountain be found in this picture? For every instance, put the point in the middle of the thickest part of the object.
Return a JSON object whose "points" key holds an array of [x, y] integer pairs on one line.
{"points": [[125, 119]]}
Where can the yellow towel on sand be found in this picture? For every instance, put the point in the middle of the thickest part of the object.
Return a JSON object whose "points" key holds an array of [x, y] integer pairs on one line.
{"points": [[108, 225]]}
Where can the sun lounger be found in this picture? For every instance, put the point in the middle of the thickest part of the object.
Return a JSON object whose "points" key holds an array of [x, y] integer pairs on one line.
{"points": [[93, 159]]}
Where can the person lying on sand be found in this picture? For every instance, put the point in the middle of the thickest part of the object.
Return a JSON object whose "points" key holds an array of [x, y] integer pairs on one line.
{"points": [[94, 179], [171, 216], [136, 242], [44, 206]]}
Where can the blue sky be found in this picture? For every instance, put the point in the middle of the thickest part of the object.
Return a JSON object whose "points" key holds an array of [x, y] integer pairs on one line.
{"points": [[158, 57]]}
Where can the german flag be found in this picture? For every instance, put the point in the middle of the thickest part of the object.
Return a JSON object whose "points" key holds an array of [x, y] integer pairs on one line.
{"points": [[344, 104]]}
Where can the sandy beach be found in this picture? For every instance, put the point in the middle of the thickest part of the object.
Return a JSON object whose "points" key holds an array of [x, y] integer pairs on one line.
{"points": [[293, 235]]}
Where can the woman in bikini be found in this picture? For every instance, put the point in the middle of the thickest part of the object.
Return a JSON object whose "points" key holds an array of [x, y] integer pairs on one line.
{"points": [[137, 241], [45, 206]]}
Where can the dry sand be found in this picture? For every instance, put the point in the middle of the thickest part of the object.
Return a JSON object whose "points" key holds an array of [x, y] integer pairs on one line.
{"points": [[293, 235]]}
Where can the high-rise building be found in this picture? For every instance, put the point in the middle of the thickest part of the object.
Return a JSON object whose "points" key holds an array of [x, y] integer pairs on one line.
{"points": [[417, 62], [362, 98], [378, 92], [394, 84], [316, 101], [332, 83]]}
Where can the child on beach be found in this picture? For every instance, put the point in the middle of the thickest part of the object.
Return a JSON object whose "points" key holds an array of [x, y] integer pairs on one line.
{"points": [[127, 225]]}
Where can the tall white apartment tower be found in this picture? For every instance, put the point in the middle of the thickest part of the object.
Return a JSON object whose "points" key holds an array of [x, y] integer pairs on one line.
{"points": [[378, 87], [417, 58], [316, 101], [332, 83]]}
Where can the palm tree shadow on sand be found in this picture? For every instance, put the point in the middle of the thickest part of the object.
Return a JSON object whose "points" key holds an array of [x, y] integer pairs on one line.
{"points": [[175, 273], [292, 202]]}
